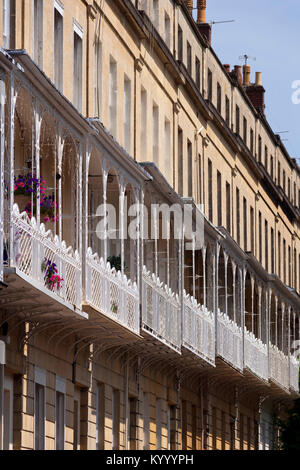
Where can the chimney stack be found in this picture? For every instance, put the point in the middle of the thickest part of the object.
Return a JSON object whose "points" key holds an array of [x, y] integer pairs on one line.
{"points": [[201, 7], [256, 93], [238, 73], [227, 67], [203, 26], [189, 4], [246, 75]]}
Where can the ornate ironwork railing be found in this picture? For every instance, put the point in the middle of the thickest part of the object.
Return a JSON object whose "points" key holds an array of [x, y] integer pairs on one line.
{"points": [[256, 355], [198, 329], [230, 341], [111, 293], [161, 311], [279, 367], [294, 373], [32, 245]]}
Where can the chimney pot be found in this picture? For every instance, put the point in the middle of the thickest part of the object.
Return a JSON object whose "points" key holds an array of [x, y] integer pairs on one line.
{"points": [[258, 81], [238, 72], [227, 67], [201, 8], [246, 75], [189, 4]]}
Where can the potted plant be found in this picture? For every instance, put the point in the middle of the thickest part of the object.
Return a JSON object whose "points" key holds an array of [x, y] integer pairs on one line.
{"points": [[48, 208], [51, 277], [27, 186], [116, 262]]}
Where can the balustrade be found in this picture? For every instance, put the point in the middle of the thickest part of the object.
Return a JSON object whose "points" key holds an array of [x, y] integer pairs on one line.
{"points": [[198, 329], [161, 311], [111, 293]]}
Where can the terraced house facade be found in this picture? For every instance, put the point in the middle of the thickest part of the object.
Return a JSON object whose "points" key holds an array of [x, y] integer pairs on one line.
{"points": [[148, 341]]}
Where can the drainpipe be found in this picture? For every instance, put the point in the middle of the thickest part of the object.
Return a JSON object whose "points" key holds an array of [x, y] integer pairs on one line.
{"points": [[2, 364]]}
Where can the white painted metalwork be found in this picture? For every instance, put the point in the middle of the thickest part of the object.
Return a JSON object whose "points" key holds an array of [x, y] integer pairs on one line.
{"points": [[111, 293], [32, 244], [161, 311], [279, 367], [230, 341], [2, 153], [294, 373], [256, 355], [198, 329]]}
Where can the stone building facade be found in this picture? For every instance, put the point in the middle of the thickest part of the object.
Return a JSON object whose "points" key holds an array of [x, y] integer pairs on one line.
{"points": [[148, 341]]}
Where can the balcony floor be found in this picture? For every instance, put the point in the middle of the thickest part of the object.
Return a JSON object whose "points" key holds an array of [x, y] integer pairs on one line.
{"points": [[110, 330], [25, 300], [24, 294]]}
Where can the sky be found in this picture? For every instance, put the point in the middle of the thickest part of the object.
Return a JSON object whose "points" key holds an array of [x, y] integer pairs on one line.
{"points": [[268, 30]]}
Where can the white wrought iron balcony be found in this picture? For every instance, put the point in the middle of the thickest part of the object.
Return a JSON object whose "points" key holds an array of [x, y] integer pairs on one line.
{"points": [[161, 311], [111, 293], [230, 341], [294, 374], [256, 356], [34, 249], [198, 329], [279, 367]]}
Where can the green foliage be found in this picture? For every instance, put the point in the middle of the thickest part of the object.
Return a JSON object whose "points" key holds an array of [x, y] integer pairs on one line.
{"points": [[115, 262], [290, 428]]}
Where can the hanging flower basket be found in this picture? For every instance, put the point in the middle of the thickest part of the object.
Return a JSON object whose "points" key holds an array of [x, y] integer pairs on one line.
{"points": [[48, 209], [29, 185], [51, 277]]}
